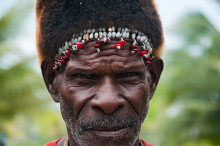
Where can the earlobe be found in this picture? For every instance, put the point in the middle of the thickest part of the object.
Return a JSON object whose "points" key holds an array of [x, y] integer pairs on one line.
{"points": [[50, 79], [155, 69]]}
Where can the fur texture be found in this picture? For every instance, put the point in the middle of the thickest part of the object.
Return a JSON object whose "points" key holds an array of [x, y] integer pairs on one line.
{"points": [[58, 20]]}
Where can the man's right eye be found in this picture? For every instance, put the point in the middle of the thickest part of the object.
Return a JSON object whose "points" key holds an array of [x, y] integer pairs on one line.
{"points": [[84, 79], [85, 76]]}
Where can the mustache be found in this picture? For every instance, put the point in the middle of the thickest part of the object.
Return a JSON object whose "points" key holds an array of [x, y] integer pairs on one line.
{"points": [[110, 121]]}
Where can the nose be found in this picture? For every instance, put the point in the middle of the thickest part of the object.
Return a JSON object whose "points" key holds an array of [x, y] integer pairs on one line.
{"points": [[107, 97]]}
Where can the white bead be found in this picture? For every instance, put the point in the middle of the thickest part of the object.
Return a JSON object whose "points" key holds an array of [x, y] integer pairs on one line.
{"points": [[146, 55], [118, 47], [75, 48], [91, 36], [146, 41], [118, 35], [142, 38], [124, 35], [113, 28], [100, 34], [113, 34], [66, 45], [127, 35], [126, 29], [79, 39], [96, 35], [110, 29], [138, 38], [70, 43], [132, 52], [72, 40], [103, 29], [98, 50], [93, 30], [104, 34], [109, 34], [105, 39], [60, 50], [119, 29], [89, 31], [133, 36], [87, 37], [75, 40]]}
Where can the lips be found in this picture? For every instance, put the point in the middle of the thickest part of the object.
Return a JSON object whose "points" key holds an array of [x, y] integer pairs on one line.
{"points": [[109, 132]]}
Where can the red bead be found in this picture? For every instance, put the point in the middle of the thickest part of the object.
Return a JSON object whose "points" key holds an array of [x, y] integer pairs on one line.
{"points": [[56, 63], [55, 68], [133, 47], [135, 50], [122, 42], [103, 41], [147, 62], [71, 49], [148, 59], [79, 45], [67, 52], [97, 46], [118, 46], [63, 62], [64, 58], [146, 50], [142, 53], [58, 60]]}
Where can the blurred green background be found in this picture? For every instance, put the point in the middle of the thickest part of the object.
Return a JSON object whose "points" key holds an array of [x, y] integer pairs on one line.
{"points": [[185, 110]]}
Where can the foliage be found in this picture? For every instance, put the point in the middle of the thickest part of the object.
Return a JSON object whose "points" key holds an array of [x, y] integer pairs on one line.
{"points": [[23, 96], [189, 93]]}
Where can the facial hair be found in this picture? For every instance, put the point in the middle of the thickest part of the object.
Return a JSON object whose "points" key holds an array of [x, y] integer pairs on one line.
{"points": [[84, 123]]}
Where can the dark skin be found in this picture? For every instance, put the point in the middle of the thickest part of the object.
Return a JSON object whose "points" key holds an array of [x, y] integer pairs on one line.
{"points": [[111, 83]]}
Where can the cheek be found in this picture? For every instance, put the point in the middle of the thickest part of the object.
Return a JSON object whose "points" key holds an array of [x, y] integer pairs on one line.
{"points": [[137, 97], [75, 97]]}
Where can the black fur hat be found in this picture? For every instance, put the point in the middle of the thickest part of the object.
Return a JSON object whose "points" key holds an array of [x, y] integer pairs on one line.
{"points": [[58, 20]]}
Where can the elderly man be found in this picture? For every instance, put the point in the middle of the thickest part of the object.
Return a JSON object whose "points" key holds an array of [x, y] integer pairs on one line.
{"points": [[100, 61]]}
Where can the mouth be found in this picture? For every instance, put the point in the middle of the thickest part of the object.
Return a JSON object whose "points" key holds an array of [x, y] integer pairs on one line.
{"points": [[109, 132]]}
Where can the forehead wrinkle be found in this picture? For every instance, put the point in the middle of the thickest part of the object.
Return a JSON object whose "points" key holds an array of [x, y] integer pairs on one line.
{"points": [[104, 65]]}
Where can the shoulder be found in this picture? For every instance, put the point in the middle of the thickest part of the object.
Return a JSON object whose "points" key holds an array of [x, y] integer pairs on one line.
{"points": [[146, 143], [53, 143]]}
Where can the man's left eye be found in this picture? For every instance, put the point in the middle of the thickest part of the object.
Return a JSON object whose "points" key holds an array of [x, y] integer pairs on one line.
{"points": [[128, 74]]}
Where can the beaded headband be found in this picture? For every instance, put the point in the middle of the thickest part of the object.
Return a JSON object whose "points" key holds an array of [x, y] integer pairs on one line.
{"points": [[102, 37]]}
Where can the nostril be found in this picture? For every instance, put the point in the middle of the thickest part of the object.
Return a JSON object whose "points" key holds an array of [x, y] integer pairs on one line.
{"points": [[107, 112]]}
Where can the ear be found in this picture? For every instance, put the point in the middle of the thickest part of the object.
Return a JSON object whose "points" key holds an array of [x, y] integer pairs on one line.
{"points": [[50, 79], [155, 69]]}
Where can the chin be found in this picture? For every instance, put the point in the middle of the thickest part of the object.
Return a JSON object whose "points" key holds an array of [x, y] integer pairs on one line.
{"points": [[124, 137]]}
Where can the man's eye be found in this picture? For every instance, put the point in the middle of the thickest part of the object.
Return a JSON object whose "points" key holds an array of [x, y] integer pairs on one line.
{"points": [[85, 76], [129, 74]]}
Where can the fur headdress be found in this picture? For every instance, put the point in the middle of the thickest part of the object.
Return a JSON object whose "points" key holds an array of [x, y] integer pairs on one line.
{"points": [[58, 20]]}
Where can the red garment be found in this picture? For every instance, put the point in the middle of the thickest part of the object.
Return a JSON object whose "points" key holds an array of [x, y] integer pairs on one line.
{"points": [[54, 143]]}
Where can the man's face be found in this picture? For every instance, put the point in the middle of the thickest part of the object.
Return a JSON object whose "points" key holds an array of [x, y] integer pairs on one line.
{"points": [[104, 96]]}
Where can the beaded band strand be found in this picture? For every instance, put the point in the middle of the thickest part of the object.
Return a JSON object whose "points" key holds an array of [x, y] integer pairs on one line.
{"points": [[102, 37]]}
